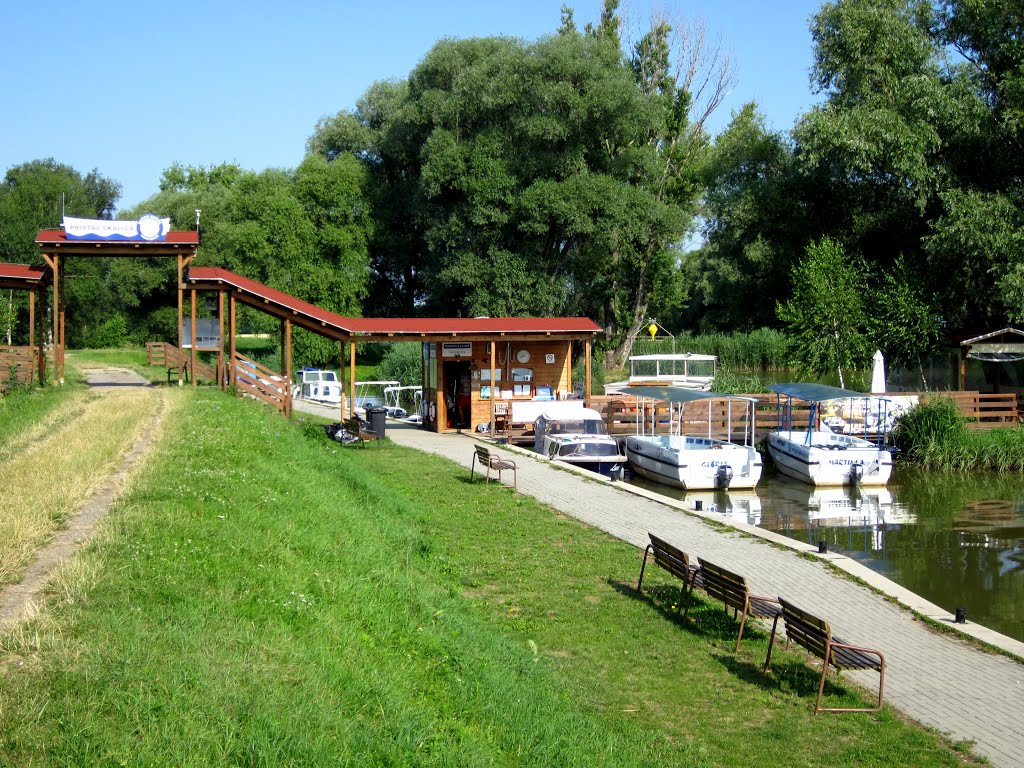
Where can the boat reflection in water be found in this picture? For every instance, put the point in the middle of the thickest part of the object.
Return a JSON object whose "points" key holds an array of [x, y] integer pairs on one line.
{"points": [[851, 518], [742, 506]]}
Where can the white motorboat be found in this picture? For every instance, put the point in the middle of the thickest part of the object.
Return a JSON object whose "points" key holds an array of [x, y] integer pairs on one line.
{"points": [[393, 397], [367, 397], [686, 371], [578, 437], [318, 386], [694, 462], [820, 456]]}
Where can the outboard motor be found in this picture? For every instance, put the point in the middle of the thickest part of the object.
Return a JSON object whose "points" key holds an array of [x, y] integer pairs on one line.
{"points": [[856, 474], [723, 476]]}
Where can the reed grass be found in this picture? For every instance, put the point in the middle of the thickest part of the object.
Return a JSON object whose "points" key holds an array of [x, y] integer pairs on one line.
{"points": [[935, 436], [262, 598], [763, 349]]}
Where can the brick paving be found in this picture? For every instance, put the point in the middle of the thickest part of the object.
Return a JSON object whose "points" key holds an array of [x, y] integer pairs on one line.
{"points": [[936, 678]]}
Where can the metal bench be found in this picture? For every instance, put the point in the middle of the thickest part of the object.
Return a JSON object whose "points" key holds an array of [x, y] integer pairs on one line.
{"points": [[493, 461], [676, 562], [815, 636], [731, 589]]}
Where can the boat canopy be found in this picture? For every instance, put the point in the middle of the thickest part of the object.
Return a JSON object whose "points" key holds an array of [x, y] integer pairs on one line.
{"points": [[815, 393], [679, 395], [676, 357]]}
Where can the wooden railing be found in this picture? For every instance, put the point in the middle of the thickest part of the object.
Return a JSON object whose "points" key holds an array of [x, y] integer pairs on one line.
{"points": [[18, 365], [255, 380], [983, 411], [163, 353]]}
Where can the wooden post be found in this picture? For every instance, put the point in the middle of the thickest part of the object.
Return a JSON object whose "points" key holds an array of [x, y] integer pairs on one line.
{"points": [[31, 318], [231, 340], [181, 315], [63, 302], [220, 341], [341, 380], [192, 310], [963, 369], [41, 351], [586, 352], [352, 378], [286, 364], [494, 389]]}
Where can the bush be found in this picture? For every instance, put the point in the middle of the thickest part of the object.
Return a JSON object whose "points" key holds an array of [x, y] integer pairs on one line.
{"points": [[112, 334], [927, 424], [402, 362]]}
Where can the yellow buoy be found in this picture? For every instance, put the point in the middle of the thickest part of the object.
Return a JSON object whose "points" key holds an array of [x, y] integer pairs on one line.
{"points": [[652, 329]]}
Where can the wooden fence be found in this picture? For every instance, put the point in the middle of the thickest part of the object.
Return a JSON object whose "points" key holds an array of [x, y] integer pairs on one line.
{"points": [[255, 380], [163, 353], [620, 414], [18, 365]]}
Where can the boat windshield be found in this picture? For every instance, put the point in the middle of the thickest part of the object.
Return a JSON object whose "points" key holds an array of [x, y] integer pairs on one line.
{"points": [[577, 427], [588, 449]]}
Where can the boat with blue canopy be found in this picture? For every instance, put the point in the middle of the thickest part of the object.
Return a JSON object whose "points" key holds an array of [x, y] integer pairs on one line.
{"points": [[821, 456], [709, 461]]}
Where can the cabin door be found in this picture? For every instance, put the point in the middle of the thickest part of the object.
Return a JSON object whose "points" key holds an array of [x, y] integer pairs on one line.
{"points": [[458, 394]]}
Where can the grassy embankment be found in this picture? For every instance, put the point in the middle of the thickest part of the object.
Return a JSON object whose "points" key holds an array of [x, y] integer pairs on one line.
{"points": [[57, 446], [264, 598]]}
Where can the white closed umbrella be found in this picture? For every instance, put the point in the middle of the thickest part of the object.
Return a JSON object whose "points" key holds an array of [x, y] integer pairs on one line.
{"points": [[878, 374]]}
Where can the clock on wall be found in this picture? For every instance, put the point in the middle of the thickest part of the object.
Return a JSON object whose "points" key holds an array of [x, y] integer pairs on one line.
{"points": [[523, 356]]}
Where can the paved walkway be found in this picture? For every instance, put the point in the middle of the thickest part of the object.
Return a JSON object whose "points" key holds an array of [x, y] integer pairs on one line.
{"points": [[937, 678]]}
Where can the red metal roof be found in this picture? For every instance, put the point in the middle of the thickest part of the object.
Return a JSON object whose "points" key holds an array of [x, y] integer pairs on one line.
{"points": [[58, 236], [19, 272], [434, 326]]}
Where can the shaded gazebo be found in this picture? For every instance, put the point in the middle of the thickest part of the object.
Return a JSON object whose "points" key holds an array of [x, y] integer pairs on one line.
{"points": [[1002, 346]]}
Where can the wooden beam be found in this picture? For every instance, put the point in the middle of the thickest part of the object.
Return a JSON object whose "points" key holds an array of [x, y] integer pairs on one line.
{"points": [[352, 378], [55, 266], [181, 311], [192, 349], [495, 390], [220, 339], [232, 365], [586, 352], [287, 365], [59, 342]]}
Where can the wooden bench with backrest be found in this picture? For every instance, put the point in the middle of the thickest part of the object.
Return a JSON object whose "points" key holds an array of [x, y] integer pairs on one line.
{"points": [[676, 562], [815, 636], [490, 461], [731, 589], [355, 428]]}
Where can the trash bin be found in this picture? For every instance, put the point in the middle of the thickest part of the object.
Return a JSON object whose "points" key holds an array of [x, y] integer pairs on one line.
{"points": [[378, 420]]}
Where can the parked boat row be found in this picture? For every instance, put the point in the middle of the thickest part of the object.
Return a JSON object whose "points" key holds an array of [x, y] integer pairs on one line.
{"points": [[669, 450]]}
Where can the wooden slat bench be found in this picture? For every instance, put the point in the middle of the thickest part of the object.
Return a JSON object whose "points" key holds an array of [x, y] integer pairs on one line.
{"points": [[815, 636], [491, 461], [676, 562], [355, 427], [731, 589]]}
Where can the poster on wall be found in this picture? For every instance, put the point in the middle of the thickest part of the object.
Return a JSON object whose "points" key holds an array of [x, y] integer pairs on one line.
{"points": [[456, 349]]}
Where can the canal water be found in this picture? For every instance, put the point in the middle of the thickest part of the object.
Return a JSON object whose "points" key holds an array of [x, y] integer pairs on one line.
{"points": [[957, 541]]}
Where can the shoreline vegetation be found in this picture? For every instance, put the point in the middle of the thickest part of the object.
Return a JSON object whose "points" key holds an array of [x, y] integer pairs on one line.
{"points": [[264, 596]]}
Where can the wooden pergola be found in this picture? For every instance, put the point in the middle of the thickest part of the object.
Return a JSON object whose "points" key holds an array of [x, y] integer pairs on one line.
{"points": [[550, 333], [1003, 346], [21, 277], [55, 248]]}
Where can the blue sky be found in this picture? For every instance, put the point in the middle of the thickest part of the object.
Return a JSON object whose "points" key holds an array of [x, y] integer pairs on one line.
{"points": [[130, 88]]}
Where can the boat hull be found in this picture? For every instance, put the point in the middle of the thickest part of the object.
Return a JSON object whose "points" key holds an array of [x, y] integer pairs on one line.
{"points": [[829, 459], [693, 463]]}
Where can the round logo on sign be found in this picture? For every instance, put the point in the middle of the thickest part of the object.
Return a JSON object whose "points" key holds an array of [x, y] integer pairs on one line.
{"points": [[149, 226]]}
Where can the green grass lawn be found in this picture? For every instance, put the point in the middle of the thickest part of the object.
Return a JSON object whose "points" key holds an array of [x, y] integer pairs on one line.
{"points": [[265, 597]]}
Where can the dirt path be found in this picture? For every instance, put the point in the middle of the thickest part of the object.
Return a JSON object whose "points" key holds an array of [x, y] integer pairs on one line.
{"points": [[20, 601]]}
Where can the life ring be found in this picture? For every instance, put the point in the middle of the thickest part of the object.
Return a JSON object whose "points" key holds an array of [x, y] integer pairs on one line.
{"points": [[431, 412]]}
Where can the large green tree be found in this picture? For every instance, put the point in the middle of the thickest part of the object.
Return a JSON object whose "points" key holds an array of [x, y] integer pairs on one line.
{"points": [[549, 178], [34, 196]]}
